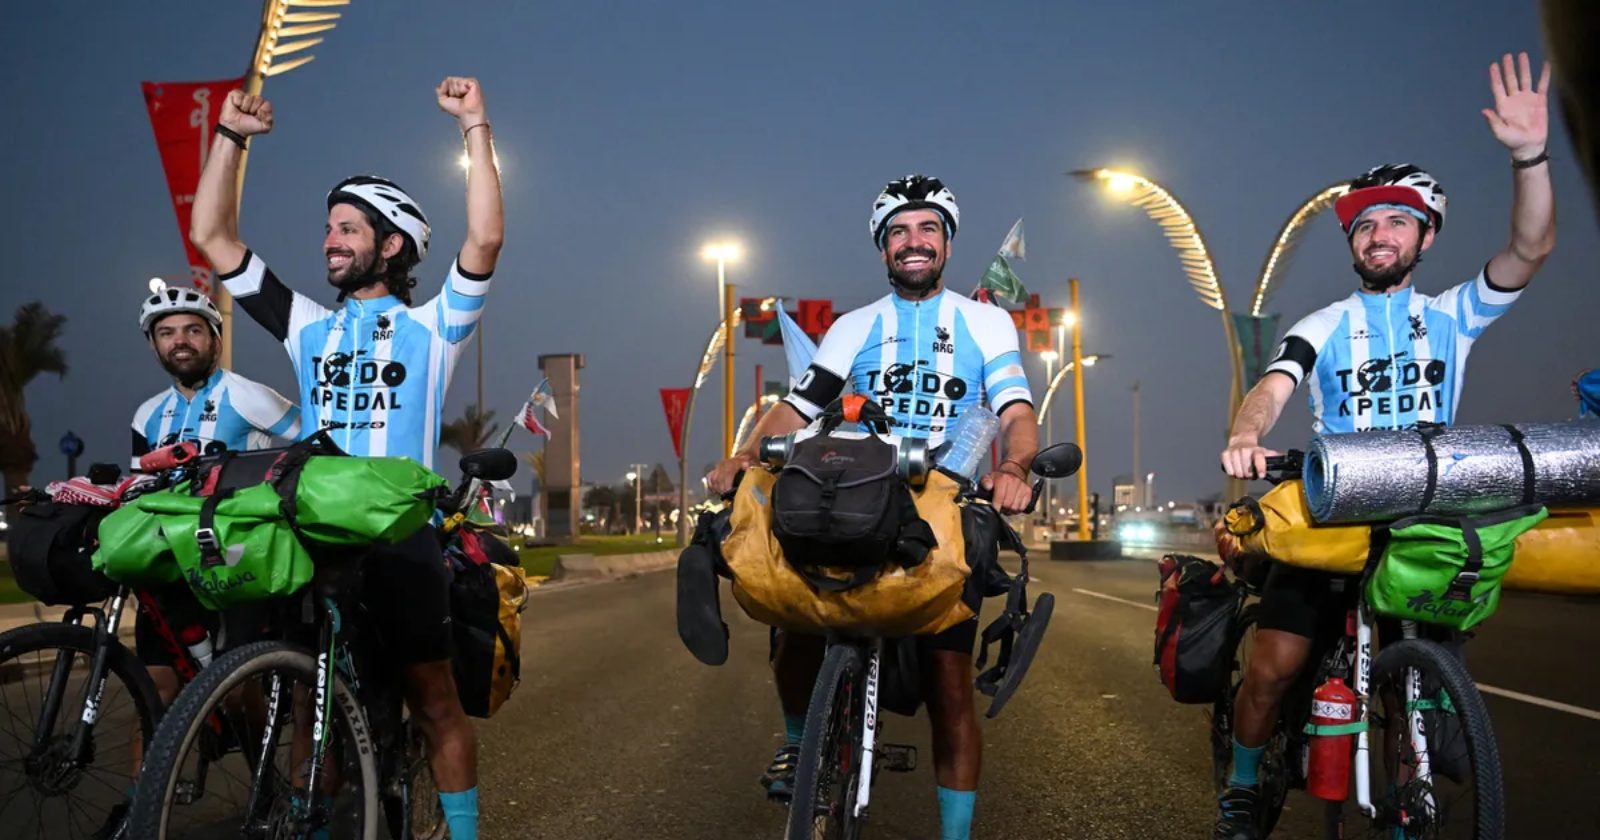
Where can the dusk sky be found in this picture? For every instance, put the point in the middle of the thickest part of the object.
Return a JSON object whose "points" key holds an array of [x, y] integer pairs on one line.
{"points": [[631, 133]]}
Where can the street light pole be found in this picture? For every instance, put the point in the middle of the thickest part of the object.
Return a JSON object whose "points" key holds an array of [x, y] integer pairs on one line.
{"points": [[727, 370], [1077, 388], [1049, 357]]}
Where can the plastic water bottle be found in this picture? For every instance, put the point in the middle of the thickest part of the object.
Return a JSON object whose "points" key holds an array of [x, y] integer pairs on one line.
{"points": [[198, 641], [969, 441]]}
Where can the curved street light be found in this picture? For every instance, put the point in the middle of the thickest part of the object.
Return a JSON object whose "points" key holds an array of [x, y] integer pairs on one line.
{"points": [[1055, 381], [708, 360], [1184, 236]]}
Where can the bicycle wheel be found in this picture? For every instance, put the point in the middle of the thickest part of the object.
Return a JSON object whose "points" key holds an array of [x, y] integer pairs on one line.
{"points": [[45, 790], [253, 708], [830, 752], [1451, 802], [1274, 769]]}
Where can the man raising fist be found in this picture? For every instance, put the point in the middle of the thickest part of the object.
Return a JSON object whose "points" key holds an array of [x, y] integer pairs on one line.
{"points": [[374, 371]]}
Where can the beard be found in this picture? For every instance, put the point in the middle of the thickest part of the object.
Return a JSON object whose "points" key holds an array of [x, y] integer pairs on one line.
{"points": [[919, 281], [190, 372], [1384, 279], [362, 271]]}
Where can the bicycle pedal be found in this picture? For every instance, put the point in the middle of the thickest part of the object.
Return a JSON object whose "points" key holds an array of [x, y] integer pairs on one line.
{"points": [[183, 793], [898, 758]]}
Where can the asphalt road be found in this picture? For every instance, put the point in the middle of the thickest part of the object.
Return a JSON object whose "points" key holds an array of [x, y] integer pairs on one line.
{"points": [[617, 732]]}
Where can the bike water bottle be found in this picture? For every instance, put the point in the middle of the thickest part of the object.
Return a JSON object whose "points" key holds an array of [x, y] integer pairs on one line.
{"points": [[195, 638], [1328, 770], [969, 441]]}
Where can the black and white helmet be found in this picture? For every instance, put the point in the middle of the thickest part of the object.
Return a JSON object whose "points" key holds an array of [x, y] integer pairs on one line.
{"points": [[171, 300], [913, 192], [389, 202], [1393, 183]]}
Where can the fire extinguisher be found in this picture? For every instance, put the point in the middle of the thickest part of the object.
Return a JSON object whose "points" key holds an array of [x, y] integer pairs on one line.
{"points": [[1328, 770]]}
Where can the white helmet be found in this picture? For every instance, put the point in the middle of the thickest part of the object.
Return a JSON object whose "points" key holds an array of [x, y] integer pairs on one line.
{"points": [[913, 192], [389, 202], [171, 300]]}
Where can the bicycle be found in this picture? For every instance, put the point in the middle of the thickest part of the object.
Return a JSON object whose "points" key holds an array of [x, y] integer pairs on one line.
{"points": [[1430, 714], [839, 753], [331, 753], [87, 684]]}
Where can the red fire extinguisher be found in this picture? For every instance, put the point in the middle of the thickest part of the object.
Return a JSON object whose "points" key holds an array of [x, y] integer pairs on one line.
{"points": [[1328, 770]]}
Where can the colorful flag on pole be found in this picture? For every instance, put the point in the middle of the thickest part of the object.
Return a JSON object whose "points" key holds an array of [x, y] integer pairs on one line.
{"points": [[544, 399], [1014, 248], [526, 417], [1258, 341], [675, 402], [183, 114], [1000, 280], [798, 348]]}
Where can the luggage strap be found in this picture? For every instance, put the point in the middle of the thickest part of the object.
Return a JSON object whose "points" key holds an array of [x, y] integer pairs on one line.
{"points": [[1527, 461], [1350, 728], [1428, 431]]}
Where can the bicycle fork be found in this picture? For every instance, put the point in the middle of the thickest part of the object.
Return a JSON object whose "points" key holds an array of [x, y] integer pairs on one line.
{"points": [[869, 729], [99, 666], [1415, 728]]}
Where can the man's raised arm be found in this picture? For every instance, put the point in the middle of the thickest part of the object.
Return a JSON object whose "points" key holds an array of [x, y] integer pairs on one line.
{"points": [[214, 222]]}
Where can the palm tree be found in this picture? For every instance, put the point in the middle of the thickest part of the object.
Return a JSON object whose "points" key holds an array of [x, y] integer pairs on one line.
{"points": [[27, 349], [470, 432]]}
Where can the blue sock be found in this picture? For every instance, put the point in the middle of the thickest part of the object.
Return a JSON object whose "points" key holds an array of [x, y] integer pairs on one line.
{"points": [[794, 728], [955, 813], [461, 813], [1245, 761]]}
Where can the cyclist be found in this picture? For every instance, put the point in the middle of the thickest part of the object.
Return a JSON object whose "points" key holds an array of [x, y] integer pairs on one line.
{"points": [[218, 408], [1386, 357], [375, 371], [926, 355]]}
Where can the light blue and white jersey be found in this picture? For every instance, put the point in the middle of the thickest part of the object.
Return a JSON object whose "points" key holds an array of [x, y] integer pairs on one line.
{"points": [[228, 412], [924, 361], [373, 371], [1389, 361]]}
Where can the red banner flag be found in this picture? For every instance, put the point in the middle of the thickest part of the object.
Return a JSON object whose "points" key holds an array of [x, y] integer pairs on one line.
{"points": [[675, 401], [182, 115]]}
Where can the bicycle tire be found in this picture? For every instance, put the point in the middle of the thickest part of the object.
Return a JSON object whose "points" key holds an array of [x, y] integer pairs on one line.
{"points": [[121, 664], [1484, 754], [833, 701], [1273, 772], [186, 719]]}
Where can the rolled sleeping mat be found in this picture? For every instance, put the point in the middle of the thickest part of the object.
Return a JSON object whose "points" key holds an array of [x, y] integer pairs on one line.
{"points": [[1384, 475]]}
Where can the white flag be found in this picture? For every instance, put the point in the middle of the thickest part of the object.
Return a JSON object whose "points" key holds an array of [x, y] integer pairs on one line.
{"points": [[1014, 248]]}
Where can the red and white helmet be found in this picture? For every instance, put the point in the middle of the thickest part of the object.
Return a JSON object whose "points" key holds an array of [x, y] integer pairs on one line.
{"points": [[1400, 184], [171, 300]]}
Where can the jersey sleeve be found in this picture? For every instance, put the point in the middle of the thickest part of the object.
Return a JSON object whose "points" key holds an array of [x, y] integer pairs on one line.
{"points": [[453, 313], [1297, 353], [270, 303], [1004, 381], [266, 410], [141, 445], [1476, 304], [824, 379]]}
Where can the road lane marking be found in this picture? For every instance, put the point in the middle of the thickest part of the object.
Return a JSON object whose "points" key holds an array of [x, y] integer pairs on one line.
{"points": [[1540, 701], [1507, 693], [1105, 597]]}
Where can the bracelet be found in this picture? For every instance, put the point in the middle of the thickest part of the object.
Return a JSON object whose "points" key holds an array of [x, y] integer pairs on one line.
{"points": [[1531, 162], [1019, 466], [237, 138], [471, 127]]}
